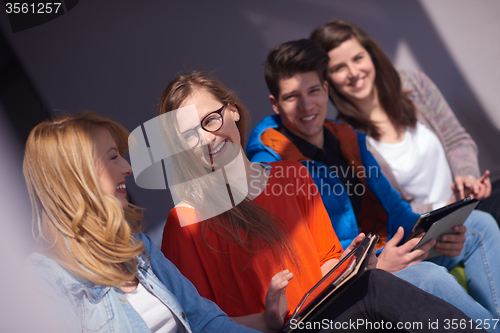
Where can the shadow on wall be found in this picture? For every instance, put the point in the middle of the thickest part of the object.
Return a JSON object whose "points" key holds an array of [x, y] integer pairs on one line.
{"points": [[117, 60], [391, 23]]}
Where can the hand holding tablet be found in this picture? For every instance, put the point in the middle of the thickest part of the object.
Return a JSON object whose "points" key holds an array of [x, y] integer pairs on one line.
{"points": [[442, 221]]}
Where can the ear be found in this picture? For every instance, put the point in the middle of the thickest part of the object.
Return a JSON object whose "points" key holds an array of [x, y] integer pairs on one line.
{"points": [[234, 112], [325, 86], [274, 104]]}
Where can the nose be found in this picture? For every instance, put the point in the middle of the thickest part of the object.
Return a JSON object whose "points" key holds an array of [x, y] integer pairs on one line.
{"points": [[126, 169], [207, 136], [353, 70], [305, 103]]}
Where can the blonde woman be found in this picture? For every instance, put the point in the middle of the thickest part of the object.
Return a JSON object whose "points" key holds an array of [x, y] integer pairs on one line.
{"points": [[92, 262]]}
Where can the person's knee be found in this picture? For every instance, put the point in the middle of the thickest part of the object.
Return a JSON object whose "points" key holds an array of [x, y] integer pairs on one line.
{"points": [[480, 220], [426, 275], [483, 226]]}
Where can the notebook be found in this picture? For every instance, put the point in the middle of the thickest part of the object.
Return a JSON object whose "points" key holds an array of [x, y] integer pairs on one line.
{"points": [[441, 221], [351, 267]]}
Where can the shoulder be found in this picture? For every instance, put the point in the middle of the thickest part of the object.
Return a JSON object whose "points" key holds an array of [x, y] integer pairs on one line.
{"points": [[44, 266], [288, 176], [255, 143], [51, 277], [339, 129], [348, 136], [288, 170], [414, 79], [182, 216]]}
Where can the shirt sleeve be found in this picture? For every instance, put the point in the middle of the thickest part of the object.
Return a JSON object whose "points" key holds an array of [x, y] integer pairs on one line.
{"points": [[460, 148], [320, 226], [203, 315]]}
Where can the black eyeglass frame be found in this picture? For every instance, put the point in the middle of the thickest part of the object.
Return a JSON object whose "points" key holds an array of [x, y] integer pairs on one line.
{"points": [[195, 129]]}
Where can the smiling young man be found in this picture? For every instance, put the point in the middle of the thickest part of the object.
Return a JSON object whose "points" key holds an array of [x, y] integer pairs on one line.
{"points": [[356, 195]]}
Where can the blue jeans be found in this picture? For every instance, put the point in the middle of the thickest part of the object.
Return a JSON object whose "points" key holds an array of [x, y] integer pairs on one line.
{"points": [[482, 271]]}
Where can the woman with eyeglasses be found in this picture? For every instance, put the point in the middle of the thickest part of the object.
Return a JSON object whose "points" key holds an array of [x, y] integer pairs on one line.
{"points": [[254, 238], [91, 261]]}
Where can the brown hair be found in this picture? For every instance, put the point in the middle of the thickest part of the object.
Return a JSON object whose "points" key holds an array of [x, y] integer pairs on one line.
{"points": [[396, 103], [294, 57], [75, 222], [247, 224]]}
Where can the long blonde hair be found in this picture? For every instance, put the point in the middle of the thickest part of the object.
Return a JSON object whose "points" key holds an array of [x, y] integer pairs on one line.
{"points": [[246, 223], [75, 222]]}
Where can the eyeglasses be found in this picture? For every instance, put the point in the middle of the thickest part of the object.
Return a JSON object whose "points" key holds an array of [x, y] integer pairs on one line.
{"points": [[212, 122]]}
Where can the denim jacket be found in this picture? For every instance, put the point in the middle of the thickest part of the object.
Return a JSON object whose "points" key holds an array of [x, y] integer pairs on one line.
{"points": [[82, 306]]}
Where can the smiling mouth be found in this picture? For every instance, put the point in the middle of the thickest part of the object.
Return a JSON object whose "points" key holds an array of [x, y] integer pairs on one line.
{"points": [[358, 83], [309, 118], [121, 187], [218, 148]]}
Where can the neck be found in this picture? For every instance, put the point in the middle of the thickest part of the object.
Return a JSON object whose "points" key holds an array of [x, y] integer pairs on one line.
{"points": [[236, 173], [370, 106], [245, 179]]}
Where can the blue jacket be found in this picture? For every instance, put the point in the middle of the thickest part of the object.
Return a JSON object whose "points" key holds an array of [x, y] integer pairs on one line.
{"points": [[82, 306], [396, 212]]}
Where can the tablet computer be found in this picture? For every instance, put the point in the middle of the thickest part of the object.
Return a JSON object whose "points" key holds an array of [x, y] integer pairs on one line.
{"points": [[441, 221], [333, 283]]}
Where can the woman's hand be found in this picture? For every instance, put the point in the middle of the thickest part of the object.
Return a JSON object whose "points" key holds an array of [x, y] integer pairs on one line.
{"points": [[276, 303], [353, 244], [465, 186], [373, 257]]}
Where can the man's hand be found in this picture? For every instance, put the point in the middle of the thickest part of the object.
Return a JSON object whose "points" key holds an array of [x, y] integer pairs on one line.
{"points": [[394, 258], [451, 245], [276, 302]]}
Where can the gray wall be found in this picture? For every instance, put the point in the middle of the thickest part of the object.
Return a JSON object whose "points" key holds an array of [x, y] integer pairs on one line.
{"points": [[116, 56]]}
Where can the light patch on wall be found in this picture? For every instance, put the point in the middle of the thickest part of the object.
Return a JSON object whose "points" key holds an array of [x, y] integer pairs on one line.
{"points": [[403, 58], [273, 28], [470, 32]]}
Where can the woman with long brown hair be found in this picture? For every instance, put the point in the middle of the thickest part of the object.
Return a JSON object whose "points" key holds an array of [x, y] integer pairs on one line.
{"points": [[394, 108], [265, 222], [418, 142]]}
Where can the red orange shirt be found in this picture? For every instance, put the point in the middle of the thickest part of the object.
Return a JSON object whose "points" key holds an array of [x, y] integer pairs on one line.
{"points": [[234, 279]]}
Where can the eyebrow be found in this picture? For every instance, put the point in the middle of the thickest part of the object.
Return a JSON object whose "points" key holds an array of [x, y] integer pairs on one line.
{"points": [[357, 54], [112, 148], [218, 110], [296, 91], [288, 93]]}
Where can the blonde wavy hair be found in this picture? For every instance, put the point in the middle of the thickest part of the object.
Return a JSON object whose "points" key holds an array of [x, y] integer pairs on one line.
{"points": [[74, 221]]}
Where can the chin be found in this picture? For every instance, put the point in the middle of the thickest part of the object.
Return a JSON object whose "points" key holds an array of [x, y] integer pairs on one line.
{"points": [[124, 204]]}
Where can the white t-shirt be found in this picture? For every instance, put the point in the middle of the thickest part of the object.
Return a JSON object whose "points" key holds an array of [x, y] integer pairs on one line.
{"points": [[420, 166], [155, 314]]}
